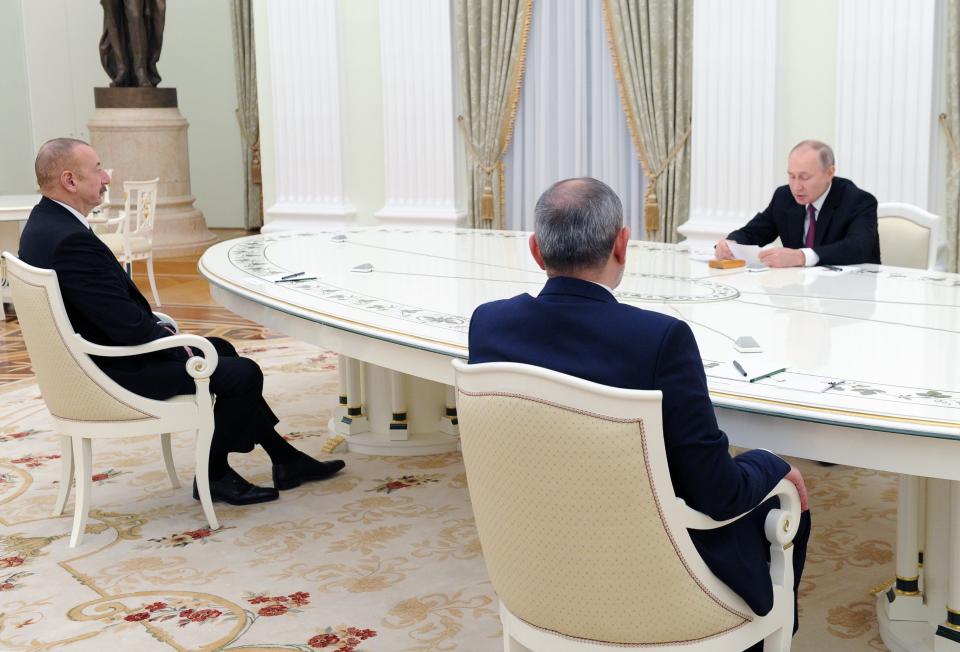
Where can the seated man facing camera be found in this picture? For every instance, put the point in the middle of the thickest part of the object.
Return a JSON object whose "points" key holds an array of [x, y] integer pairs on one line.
{"points": [[105, 307], [821, 219], [577, 327]]}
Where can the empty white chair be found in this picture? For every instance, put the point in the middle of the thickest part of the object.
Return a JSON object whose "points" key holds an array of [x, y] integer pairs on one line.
{"points": [[86, 404], [584, 540], [911, 237], [133, 239]]}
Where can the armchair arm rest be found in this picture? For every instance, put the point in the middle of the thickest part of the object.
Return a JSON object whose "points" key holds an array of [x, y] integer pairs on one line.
{"points": [[168, 320], [780, 525], [197, 367]]}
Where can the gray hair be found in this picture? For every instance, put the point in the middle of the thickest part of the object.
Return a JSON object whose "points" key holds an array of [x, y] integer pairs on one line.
{"points": [[576, 223], [53, 158], [821, 148]]}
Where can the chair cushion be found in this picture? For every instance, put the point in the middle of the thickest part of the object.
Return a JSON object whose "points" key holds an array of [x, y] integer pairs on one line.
{"points": [[138, 244]]}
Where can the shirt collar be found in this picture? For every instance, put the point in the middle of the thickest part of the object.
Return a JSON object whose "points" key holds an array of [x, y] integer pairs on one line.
{"points": [[818, 202], [75, 212], [610, 290]]}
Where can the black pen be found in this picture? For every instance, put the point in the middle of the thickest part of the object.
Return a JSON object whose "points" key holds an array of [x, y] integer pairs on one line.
{"points": [[833, 268], [294, 275], [292, 280], [742, 371]]}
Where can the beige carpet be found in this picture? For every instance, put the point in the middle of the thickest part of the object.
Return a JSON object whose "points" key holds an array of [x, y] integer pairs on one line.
{"points": [[383, 558]]}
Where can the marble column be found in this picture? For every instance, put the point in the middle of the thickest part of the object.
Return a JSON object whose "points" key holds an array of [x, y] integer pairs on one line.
{"points": [[735, 116], [417, 58], [889, 75], [305, 69]]}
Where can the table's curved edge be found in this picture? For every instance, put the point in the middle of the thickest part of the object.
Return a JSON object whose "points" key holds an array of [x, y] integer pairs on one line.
{"points": [[721, 399], [325, 319]]}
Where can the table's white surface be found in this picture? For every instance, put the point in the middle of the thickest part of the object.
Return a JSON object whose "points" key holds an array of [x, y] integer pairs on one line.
{"points": [[892, 334]]}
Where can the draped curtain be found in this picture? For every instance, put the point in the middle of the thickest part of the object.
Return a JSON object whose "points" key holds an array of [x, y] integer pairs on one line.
{"points": [[244, 65], [570, 122], [651, 42], [951, 124], [491, 40]]}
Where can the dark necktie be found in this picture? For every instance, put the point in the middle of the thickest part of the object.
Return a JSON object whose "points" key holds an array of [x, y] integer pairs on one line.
{"points": [[812, 227]]}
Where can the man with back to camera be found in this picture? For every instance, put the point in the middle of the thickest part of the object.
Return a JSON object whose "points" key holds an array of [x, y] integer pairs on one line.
{"points": [[821, 219], [577, 327], [105, 307]]}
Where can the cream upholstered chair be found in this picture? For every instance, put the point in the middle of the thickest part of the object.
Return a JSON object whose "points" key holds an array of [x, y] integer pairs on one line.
{"points": [[584, 540], [86, 404], [911, 237], [133, 238]]}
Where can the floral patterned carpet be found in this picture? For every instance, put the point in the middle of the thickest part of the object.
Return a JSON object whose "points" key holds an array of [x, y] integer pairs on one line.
{"points": [[384, 557]]}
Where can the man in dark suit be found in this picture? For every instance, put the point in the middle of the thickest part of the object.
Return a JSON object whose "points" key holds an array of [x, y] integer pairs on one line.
{"points": [[577, 327], [105, 307], [821, 219]]}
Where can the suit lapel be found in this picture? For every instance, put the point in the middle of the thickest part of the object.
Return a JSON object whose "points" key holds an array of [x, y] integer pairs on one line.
{"points": [[827, 211]]}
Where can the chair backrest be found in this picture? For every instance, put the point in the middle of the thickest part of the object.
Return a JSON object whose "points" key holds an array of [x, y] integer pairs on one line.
{"points": [[911, 237], [140, 206], [572, 497], [71, 385]]}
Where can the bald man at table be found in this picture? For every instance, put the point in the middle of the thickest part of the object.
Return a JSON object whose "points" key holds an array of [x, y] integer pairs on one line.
{"points": [[821, 219]]}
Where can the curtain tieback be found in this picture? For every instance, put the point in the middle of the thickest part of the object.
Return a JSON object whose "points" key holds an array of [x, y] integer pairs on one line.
{"points": [[651, 208], [488, 168], [951, 141]]}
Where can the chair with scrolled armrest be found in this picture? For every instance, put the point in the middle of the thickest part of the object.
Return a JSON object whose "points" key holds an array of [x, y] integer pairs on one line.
{"points": [[87, 404], [594, 554]]}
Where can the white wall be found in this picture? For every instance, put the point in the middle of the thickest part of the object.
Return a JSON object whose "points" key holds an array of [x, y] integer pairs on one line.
{"points": [[52, 63], [16, 143]]}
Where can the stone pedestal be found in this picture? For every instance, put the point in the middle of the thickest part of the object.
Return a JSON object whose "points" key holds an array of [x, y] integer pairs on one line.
{"points": [[141, 134]]}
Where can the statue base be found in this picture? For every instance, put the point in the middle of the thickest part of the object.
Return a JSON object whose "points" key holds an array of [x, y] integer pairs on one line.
{"points": [[140, 133]]}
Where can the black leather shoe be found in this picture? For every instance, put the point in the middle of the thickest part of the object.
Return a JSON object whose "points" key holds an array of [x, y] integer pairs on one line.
{"points": [[233, 489], [304, 469]]}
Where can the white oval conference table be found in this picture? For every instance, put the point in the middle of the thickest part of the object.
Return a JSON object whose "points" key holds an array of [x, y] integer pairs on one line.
{"points": [[869, 356]]}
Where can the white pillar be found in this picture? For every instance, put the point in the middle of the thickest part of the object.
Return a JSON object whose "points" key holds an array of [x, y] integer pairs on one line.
{"points": [[888, 78], [735, 115], [947, 638], [398, 407], [306, 98], [417, 58]]}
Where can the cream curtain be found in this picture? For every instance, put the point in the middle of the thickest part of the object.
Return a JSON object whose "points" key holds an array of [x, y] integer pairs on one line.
{"points": [[570, 121], [491, 37], [245, 69], [651, 42], [950, 121]]}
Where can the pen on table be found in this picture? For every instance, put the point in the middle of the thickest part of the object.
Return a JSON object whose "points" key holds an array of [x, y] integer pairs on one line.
{"points": [[772, 373], [294, 275], [833, 268], [743, 372], [293, 280]]}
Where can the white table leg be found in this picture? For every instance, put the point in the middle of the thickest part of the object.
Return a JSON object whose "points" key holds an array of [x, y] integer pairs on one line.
{"points": [[398, 407], [947, 638], [449, 423], [904, 599], [354, 421], [341, 410]]}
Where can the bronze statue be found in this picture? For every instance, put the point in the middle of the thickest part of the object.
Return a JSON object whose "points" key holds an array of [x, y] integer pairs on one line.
{"points": [[131, 41]]}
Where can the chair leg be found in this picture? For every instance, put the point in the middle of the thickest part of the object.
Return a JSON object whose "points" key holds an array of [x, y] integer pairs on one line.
{"points": [[778, 641], [66, 474], [153, 281], [82, 456], [168, 460], [204, 437]]}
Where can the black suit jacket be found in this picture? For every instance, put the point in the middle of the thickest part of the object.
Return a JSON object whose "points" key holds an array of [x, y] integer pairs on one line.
{"points": [[846, 232], [103, 304], [578, 328]]}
